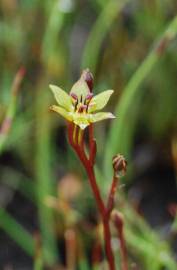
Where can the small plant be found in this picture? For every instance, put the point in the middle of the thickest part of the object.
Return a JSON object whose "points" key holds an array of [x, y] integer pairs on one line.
{"points": [[80, 108]]}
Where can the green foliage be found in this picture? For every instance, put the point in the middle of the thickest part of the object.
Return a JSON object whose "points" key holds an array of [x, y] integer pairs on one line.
{"points": [[130, 46]]}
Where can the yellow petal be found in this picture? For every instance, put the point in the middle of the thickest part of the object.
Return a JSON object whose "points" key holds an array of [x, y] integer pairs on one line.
{"points": [[100, 116], [81, 120], [63, 99], [62, 112], [99, 101], [80, 88]]}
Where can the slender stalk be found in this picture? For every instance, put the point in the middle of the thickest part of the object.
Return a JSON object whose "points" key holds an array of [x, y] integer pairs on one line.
{"points": [[89, 167], [119, 224], [92, 145], [108, 247], [71, 248], [110, 203], [91, 175], [102, 210]]}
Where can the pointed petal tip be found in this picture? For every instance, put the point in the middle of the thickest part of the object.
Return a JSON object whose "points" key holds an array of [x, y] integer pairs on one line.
{"points": [[51, 86], [112, 116], [110, 91]]}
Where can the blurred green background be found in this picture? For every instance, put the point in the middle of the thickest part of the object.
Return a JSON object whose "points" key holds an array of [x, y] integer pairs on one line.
{"points": [[48, 217]]}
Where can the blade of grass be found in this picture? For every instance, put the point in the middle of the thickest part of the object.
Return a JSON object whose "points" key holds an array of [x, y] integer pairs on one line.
{"points": [[43, 171], [17, 232], [38, 259], [44, 177], [7, 123], [43, 137], [54, 25], [92, 48], [144, 241], [38, 263], [83, 265], [17, 181], [120, 133]]}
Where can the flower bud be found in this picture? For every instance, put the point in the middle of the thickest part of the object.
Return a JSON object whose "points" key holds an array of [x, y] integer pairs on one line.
{"points": [[117, 219], [88, 78], [119, 165]]}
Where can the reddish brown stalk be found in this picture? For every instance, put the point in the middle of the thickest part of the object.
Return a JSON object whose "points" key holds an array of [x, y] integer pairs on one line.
{"points": [[108, 246], [88, 163], [91, 136], [70, 242], [119, 224], [96, 253], [111, 196], [92, 145]]}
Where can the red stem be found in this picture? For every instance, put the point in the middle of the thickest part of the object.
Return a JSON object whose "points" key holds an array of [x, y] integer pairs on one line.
{"points": [[123, 250], [88, 163], [119, 224], [110, 203], [108, 247]]}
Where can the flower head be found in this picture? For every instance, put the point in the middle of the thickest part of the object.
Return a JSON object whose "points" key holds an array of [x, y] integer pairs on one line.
{"points": [[80, 106]]}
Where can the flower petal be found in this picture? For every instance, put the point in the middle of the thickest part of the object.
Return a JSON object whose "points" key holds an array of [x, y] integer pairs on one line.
{"points": [[100, 116], [100, 100], [81, 120], [80, 88], [63, 99], [62, 112]]}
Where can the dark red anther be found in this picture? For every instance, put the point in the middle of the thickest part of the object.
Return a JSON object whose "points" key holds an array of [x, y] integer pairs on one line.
{"points": [[82, 108], [74, 96], [88, 78], [89, 96]]}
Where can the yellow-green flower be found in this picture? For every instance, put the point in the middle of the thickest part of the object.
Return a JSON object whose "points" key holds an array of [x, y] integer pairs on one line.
{"points": [[80, 106]]}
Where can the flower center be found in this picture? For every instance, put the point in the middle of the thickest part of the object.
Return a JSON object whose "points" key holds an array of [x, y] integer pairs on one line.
{"points": [[81, 104]]}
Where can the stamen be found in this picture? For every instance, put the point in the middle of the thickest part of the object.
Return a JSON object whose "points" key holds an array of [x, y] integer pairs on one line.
{"points": [[75, 105], [89, 96], [82, 108], [74, 96], [88, 99]]}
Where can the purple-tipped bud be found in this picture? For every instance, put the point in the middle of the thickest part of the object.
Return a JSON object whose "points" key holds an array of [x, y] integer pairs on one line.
{"points": [[88, 78], [119, 165]]}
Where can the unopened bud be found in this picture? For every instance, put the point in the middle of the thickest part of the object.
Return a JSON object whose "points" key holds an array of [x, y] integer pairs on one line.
{"points": [[88, 78], [117, 218], [119, 165]]}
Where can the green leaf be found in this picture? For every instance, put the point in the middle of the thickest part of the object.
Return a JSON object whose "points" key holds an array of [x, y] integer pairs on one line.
{"points": [[63, 99], [62, 112], [99, 101]]}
